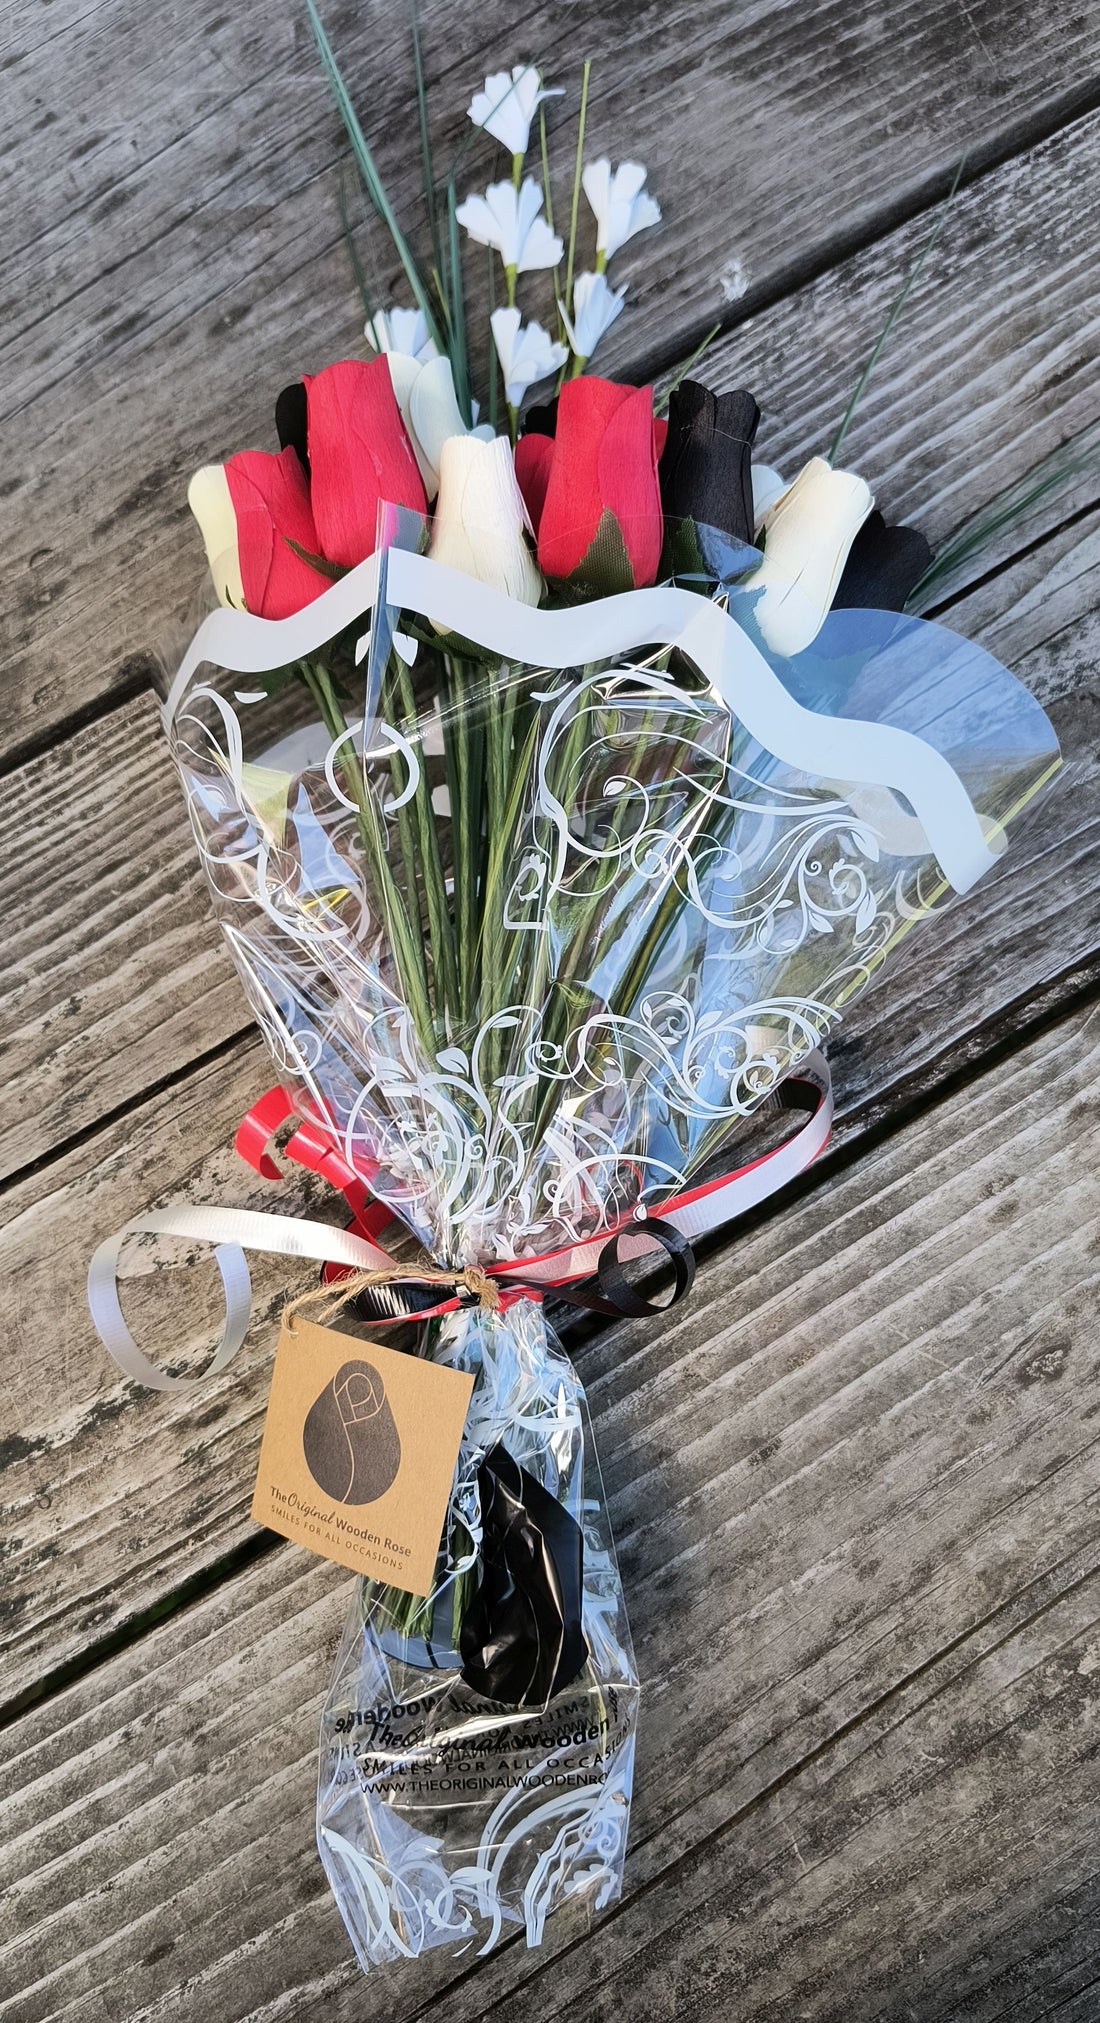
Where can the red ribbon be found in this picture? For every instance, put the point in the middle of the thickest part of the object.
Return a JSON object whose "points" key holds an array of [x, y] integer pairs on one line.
{"points": [[311, 1145]]}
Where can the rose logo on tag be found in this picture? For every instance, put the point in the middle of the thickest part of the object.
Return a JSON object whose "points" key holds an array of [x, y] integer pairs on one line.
{"points": [[351, 1443]]}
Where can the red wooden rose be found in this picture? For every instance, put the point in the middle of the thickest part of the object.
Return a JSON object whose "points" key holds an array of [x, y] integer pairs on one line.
{"points": [[359, 455], [271, 506], [592, 490]]}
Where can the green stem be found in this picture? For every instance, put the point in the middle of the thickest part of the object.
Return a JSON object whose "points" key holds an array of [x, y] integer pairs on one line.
{"points": [[545, 965], [355, 263], [555, 272], [494, 362], [431, 865], [457, 319], [661, 403], [500, 947], [575, 206], [405, 942], [427, 172], [464, 746]]}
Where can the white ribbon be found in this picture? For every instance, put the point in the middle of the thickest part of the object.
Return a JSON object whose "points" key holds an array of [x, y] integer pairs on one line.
{"points": [[232, 1231]]}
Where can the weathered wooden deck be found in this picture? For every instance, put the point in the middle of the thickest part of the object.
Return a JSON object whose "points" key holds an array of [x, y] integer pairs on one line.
{"points": [[856, 1481]]}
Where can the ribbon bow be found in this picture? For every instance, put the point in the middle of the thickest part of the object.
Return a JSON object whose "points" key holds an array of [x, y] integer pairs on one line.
{"points": [[356, 1251]]}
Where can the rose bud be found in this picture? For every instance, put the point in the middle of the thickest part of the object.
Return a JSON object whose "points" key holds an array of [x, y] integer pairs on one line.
{"points": [[706, 468], [249, 512], [594, 490], [884, 566], [480, 522], [809, 532], [359, 456]]}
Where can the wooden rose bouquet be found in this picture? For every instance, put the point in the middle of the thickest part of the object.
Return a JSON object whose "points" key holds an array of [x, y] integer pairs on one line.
{"points": [[560, 777]]}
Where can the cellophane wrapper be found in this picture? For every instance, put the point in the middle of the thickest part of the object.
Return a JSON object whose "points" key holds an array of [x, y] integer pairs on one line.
{"points": [[531, 943]]}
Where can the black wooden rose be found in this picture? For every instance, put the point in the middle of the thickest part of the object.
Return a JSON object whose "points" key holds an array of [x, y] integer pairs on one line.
{"points": [[706, 464], [884, 566], [522, 1637]]}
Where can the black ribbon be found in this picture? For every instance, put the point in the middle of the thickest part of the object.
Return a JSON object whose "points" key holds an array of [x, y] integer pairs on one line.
{"points": [[522, 1637], [616, 1297]]}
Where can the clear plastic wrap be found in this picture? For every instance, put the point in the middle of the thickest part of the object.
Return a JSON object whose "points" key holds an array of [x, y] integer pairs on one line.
{"points": [[534, 909], [476, 1767]]}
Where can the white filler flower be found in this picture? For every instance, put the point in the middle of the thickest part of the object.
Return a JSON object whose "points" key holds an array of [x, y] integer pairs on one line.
{"points": [[621, 203], [595, 307], [507, 105], [526, 351], [512, 221], [404, 331]]}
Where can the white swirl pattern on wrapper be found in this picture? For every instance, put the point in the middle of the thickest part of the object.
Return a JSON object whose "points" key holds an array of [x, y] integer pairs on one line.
{"points": [[876, 754], [449, 1137], [765, 867]]}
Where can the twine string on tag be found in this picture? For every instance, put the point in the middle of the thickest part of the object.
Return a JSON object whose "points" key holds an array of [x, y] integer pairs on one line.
{"points": [[321, 1301]]}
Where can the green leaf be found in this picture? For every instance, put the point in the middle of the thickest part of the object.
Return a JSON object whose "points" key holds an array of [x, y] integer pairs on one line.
{"points": [[372, 181], [899, 303], [682, 557], [1055, 473], [605, 569], [354, 261], [331, 569]]}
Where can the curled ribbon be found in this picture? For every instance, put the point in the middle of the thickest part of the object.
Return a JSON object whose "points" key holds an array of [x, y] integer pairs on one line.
{"points": [[355, 1250]]}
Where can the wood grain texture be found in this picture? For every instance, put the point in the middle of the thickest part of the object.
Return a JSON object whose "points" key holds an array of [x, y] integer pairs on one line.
{"points": [[175, 256], [854, 1488], [79, 1503], [115, 973], [855, 1482], [119, 980]]}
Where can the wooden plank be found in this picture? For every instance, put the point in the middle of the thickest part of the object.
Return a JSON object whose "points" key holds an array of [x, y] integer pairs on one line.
{"points": [[174, 256], [116, 976], [854, 1490], [60, 1419], [118, 984], [940, 1862]]}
